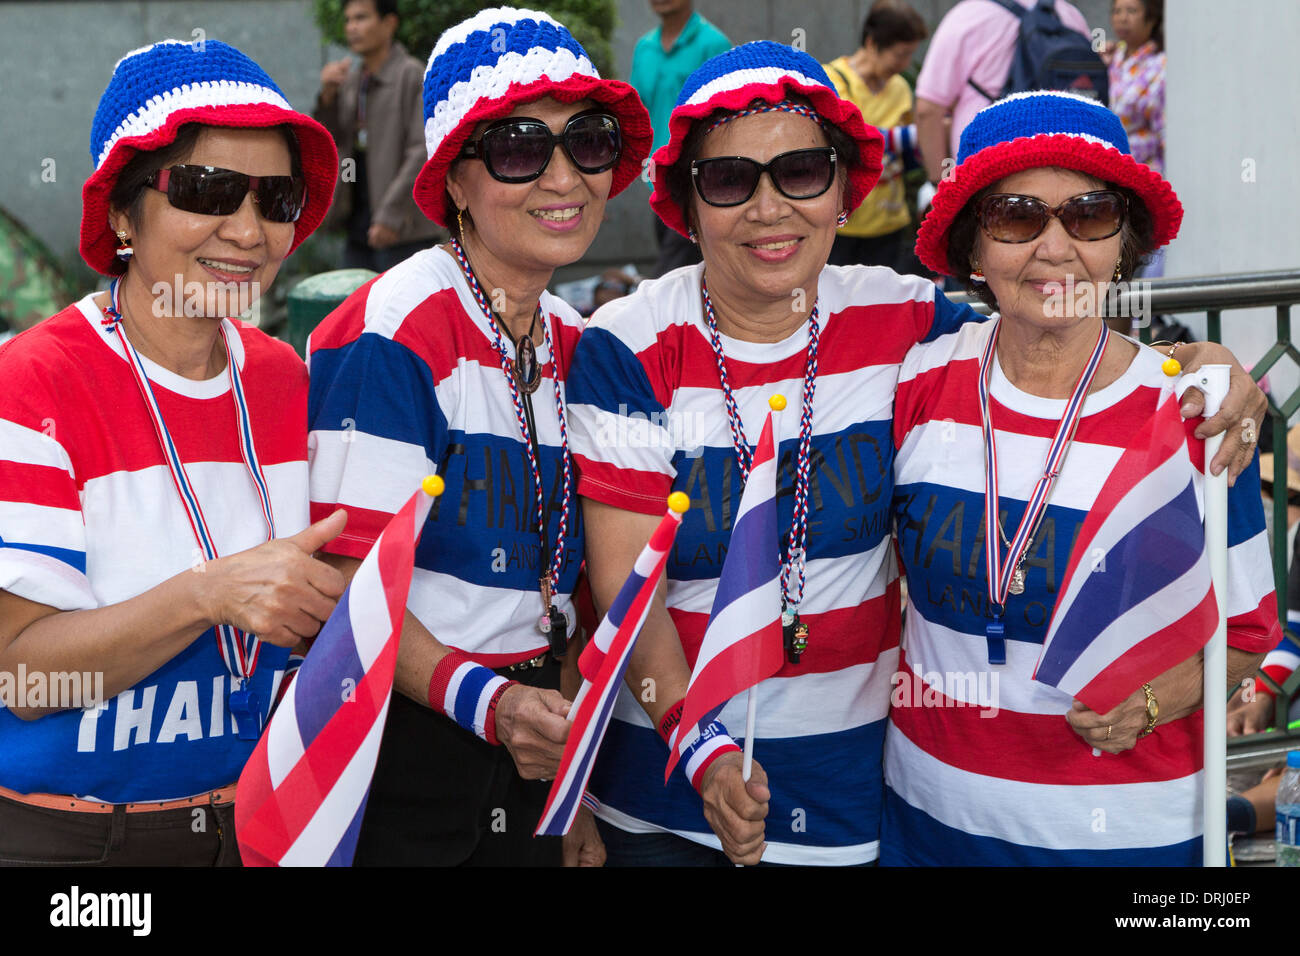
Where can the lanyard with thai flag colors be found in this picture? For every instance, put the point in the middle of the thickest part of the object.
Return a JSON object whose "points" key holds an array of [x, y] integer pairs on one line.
{"points": [[999, 570], [239, 650]]}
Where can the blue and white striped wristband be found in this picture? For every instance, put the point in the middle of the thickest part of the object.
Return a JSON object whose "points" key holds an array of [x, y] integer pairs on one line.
{"points": [[466, 692]]}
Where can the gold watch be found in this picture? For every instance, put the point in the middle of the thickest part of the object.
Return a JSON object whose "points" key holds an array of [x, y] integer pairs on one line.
{"points": [[1153, 710]]}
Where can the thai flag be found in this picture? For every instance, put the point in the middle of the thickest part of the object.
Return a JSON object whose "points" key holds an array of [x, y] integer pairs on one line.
{"points": [[603, 664], [303, 792], [742, 642], [1136, 596]]}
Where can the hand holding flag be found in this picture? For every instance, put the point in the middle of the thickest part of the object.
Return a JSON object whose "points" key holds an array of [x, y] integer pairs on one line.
{"points": [[603, 664], [303, 792], [742, 641]]}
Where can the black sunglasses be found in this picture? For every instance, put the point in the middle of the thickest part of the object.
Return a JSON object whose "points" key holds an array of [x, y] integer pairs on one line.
{"points": [[1007, 217], [212, 191], [731, 180], [519, 150]]}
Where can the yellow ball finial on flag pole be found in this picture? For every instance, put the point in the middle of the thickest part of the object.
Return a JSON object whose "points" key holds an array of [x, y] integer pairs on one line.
{"points": [[433, 485], [776, 403], [679, 501]]}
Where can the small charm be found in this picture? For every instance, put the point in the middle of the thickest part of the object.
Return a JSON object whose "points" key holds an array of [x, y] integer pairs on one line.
{"points": [[527, 372], [795, 637], [544, 624], [1018, 581], [557, 632], [124, 250]]}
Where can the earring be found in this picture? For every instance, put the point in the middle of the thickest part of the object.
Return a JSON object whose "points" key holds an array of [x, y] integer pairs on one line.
{"points": [[843, 218], [978, 274], [460, 224], [690, 234], [1118, 262], [124, 250]]}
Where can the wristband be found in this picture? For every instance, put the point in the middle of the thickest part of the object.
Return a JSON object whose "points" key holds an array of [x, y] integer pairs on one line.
{"points": [[698, 756], [467, 692], [670, 721]]}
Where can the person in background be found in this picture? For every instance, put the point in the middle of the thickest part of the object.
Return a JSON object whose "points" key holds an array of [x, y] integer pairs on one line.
{"points": [[1136, 63], [879, 232], [965, 68], [661, 62], [374, 111]]}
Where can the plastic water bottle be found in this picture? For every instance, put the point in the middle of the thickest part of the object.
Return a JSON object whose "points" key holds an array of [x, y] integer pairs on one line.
{"points": [[1288, 813]]}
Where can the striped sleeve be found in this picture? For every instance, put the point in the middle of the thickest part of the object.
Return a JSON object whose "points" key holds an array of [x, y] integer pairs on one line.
{"points": [[618, 427], [42, 528], [1280, 663], [1253, 624], [375, 429]]}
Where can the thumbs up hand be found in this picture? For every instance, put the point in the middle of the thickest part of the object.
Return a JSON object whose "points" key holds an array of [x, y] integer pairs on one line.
{"points": [[276, 590]]}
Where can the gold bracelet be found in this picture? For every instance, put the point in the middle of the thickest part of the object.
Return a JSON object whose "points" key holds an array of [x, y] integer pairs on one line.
{"points": [[1153, 710]]}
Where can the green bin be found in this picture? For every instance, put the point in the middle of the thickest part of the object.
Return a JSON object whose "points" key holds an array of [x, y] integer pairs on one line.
{"points": [[316, 297]]}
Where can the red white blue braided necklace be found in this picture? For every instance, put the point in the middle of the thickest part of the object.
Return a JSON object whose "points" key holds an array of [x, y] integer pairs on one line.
{"points": [[796, 632], [552, 623]]}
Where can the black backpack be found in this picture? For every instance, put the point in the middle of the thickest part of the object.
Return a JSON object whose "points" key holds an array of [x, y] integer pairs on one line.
{"points": [[1051, 56]]}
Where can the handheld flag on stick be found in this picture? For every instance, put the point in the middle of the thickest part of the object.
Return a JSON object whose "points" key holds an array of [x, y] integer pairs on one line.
{"points": [[1136, 597], [303, 792], [603, 664], [742, 641]]}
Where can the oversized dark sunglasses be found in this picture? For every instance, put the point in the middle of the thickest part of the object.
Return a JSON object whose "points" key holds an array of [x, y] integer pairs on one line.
{"points": [[519, 150], [212, 191], [731, 180], [1007, 217]]}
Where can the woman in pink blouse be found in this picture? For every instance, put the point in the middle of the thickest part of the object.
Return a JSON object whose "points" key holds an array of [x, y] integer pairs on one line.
{"points": [[1137, 77]]}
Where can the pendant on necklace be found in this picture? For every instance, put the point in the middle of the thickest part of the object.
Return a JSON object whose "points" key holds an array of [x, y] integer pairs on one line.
{"points": [[1017, 581], [528, 373]]}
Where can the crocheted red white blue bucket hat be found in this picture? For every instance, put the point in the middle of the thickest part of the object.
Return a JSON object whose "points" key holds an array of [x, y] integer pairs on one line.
{"points": [[770, 72], [498, 59], [159, 88], [1042, 128]]}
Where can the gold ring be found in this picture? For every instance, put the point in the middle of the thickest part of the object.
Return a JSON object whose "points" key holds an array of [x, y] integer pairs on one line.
{"points": [[1108, 727]]}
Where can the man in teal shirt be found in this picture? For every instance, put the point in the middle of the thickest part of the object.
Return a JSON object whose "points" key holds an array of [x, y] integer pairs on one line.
{"points": [[661, 62]]}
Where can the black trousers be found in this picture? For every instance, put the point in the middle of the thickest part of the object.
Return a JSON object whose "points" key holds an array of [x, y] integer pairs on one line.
{"points": [[202, 835], [443, 797]]}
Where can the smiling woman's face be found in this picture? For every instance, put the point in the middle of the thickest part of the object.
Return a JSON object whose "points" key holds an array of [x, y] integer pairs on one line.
{"points": [[232, 258], [770, 245], [538, 225], [1020, 274]]}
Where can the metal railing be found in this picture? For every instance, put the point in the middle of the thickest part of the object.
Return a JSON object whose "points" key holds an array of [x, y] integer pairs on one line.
{"points": [[1214, 295]]}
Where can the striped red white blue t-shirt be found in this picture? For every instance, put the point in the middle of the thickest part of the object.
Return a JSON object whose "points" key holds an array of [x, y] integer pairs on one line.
{"points": [[89, 517], [406, 381], [647, 418], [981, 766]]}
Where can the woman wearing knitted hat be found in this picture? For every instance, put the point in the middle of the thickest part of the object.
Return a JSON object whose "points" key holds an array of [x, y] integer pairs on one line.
{"points": [[1046, 499], [147, 436], [456, 359], [763, 161]]}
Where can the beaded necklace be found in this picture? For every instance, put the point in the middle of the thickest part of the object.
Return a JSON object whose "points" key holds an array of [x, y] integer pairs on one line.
{"points": [[552, 623], [795, 631]]}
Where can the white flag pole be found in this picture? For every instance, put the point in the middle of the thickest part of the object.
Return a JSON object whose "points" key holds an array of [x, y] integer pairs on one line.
{"points": [[750, 711], [1213, 381]]}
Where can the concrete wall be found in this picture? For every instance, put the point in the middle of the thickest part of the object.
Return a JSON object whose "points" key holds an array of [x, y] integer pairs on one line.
{"points": [[59, 55], [1231, 147]]}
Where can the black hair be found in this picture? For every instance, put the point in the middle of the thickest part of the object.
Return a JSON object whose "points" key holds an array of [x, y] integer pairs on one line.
{"points": [[677, 177], [1136, 241], [889, 22], [128, 190], [382, 7]]}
